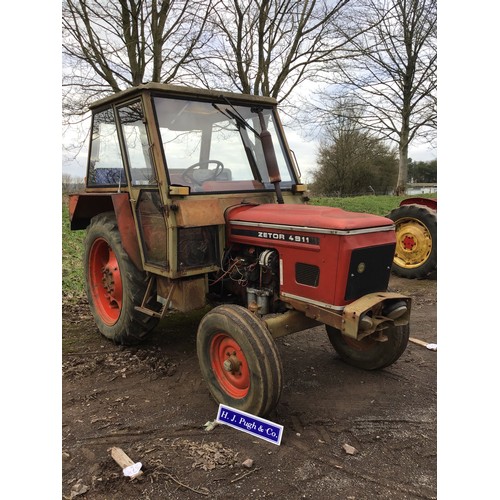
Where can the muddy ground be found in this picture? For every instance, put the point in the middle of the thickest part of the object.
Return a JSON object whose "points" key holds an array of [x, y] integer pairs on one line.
{"points": [[151, 402]]}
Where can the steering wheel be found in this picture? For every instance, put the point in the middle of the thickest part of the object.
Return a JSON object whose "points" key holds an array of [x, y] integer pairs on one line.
{"points": [[187, 175]]}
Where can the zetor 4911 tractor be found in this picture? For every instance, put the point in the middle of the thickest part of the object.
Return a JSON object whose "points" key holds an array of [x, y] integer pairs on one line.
{"points": [[193, 199]]}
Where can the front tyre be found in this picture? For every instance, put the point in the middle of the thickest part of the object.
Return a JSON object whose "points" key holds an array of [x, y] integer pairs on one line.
{"points": [[370, 354], [239, 360], [114, 285]]}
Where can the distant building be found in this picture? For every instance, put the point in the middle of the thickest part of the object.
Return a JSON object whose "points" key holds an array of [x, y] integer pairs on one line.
{"points": [[421, 188]]}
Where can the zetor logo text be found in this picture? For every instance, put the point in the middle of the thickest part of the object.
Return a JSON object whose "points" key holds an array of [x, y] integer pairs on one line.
{"points": [[281, 236], [277, 236], [271, 236]]}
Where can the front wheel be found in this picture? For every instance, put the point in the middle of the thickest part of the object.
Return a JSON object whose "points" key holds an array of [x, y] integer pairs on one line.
{"points": [[239, 360], [370, 354], [114, 285]]}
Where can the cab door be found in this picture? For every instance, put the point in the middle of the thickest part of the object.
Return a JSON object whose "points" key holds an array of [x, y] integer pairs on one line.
{"points": [[145, 195]]}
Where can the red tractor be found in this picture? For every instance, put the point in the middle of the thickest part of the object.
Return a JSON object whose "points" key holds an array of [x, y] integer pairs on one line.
{"points": [[416, 237], [193, 199]]}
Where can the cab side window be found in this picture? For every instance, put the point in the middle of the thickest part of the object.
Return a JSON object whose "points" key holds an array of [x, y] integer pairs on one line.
{"points": [[137, 144], [105, 166]]}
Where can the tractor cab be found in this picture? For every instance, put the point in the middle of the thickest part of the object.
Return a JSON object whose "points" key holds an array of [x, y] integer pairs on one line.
{"points": [[199, 142], [184, 156]]}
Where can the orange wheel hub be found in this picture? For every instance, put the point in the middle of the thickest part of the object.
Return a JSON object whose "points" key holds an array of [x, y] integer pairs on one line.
{"points": [[230, 366], [105, 281]]}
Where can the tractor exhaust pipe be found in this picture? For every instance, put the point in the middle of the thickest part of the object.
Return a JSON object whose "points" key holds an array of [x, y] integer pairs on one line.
{"points": [[269, 155]]}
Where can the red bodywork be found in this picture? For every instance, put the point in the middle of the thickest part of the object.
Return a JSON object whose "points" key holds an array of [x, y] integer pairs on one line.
{"points": [[320, 236]]}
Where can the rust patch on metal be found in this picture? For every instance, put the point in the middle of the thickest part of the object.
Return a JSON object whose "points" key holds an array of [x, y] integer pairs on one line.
{"points": [[374, 302], [73, 201], [289, 322], [207, 212], [183, 295], [348, 320], [126, 226], [317, 313]]}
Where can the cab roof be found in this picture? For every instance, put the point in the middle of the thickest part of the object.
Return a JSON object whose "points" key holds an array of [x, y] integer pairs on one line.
{"points": [[181, 91]]}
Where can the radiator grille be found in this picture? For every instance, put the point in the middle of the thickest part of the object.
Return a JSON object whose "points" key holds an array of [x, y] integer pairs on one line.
{"points": [[369, 270], [306, 274]]}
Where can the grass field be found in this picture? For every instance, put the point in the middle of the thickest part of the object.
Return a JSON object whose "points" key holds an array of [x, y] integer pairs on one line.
{"points": [[378, 205], [72, 267], [72, 271]]}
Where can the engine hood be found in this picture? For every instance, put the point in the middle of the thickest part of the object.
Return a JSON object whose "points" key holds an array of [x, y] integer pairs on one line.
{"points": [[306, 217]]}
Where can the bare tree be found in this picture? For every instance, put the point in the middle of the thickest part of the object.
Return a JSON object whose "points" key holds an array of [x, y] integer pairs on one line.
{"points": [[392, 82], [70, 183], [268, 47], [67, 182], [111, 45]]}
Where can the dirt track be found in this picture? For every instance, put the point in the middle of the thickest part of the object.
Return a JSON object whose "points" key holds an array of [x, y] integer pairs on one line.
{"points": [[151, 402]]}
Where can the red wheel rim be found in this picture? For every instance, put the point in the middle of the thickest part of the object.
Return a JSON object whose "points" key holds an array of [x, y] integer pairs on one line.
{"points": [[105, 281], [229, 365]]}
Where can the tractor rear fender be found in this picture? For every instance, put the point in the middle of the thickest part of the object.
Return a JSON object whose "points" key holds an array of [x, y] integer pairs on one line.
{"points": [[84, 206], [426, 202]]}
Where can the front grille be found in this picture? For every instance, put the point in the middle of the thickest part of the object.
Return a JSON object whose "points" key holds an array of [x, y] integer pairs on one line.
{"points": [[369, 270], [306, 274]]}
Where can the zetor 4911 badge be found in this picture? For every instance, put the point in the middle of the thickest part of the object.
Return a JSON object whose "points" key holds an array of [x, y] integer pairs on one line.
{"points": [[193, 199]]}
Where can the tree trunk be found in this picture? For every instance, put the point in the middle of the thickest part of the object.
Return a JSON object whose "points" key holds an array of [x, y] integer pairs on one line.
{"points": [[403, 165]]}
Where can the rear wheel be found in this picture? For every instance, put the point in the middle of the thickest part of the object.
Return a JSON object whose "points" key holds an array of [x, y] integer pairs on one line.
{"points": [[370, 354], [416, 241], [114, 285], [239, 360]]}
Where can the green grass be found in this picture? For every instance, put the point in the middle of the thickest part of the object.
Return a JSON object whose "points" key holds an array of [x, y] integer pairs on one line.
{"points": [[72, 266], [378, 205]]}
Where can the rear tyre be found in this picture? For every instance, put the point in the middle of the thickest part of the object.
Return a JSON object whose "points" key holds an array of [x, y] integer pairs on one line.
{"points": [[239, 360], [416, 241], [114, 285], [370, 354]]}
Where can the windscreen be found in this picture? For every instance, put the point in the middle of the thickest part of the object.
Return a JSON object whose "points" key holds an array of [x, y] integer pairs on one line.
{"points": [[216, 147]]}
